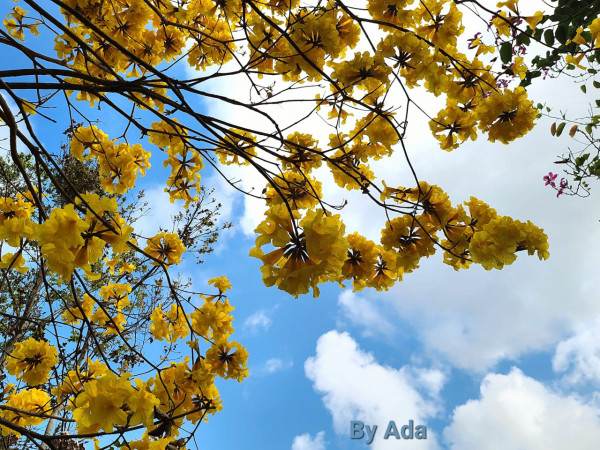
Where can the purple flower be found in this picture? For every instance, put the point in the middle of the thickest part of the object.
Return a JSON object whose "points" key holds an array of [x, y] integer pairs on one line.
{"points": [[472, 40], [549, 179], [563, 185]]}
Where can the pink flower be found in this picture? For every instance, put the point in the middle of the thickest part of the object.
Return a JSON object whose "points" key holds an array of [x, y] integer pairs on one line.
{"points": [[549, 179], [563, 185]]}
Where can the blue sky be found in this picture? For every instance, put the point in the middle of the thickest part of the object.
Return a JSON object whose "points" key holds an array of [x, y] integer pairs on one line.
{"points": [[486, 360]]}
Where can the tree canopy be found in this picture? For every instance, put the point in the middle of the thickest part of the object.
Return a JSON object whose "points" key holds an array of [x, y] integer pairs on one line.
{"points": [[87, 299]]}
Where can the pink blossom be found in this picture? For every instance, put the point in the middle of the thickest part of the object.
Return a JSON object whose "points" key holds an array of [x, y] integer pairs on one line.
{"points": [[549, 179]]}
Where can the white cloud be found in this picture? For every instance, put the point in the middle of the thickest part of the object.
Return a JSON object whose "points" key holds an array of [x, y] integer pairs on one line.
{"points": [[160, 212], [305, 442], [257, 322], [579, 355], [364, 313], [277, 365], [464, 316], [518, 412], [355, 386]]}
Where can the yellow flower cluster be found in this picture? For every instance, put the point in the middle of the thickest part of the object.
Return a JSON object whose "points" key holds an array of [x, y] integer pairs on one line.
{"points": [[15, 222], [31, 400], [306, 253], [297, 190], [119, 164], [310, 249], [165, 247], [221, 283], [494, 245], [236, 147], [303, 153], [170, 326], [110, 400], [31, 361], [186, 163], [74, 314], [67, 241], [16, 26]]}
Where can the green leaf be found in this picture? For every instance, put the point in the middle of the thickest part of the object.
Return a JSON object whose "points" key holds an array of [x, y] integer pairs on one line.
{"points": [[523, 39], [506, 52], [580, 160], [587, 35], [561, 33], [598, 103], [549, 37], [560, 129], [583, 89], [596, 84]]}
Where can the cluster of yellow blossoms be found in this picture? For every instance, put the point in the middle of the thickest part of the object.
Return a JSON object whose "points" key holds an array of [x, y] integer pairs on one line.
{"points": [[35, 401], [119, 164], [102, 400], [185, 162], [312, 249]]}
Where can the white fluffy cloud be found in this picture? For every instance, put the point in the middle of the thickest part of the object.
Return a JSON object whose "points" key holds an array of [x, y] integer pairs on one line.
{"points": [[517, 412], [355, 386], [305, 442], [465, 316], [277, 365], [160, 212], [579, 356], [258, 321], [365, 314]]}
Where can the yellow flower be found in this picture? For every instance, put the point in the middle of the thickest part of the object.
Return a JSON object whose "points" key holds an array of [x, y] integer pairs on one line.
{"points": [[228, 360], [14, 261], [102, 403], [221, 283], [73, 315], [518, 68], [32, 360], [506, 116], [32, 400], [535, 19], [170, 326], [165, 247], [575, 60]]}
